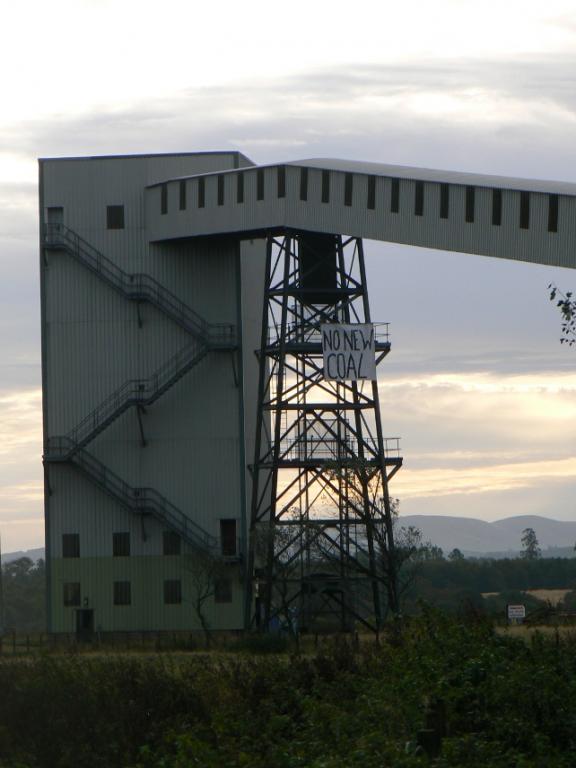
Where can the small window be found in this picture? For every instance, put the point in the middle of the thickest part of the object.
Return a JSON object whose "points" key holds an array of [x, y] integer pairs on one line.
{"points": [[121, 544], [122, 593], [371, 201], [72, 593], [220, 190], [228, 537], [182, 195], [325, 186], [201, 192], [115, 217], [395, 197], [496, 207], [524, 210], [444, 200], [70, 545], [281, 181], [470, 199], [419, 198], [172, 592], [260, 184], [171, 543], [348, 188], [552, 213], [163, 199], [240, 188], [223, 591], [303, 183]]}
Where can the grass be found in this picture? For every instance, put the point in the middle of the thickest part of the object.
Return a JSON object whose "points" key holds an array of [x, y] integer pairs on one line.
{"points": [[501, 699]]}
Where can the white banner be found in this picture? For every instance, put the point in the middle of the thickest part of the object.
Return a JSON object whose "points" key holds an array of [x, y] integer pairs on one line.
{"points": [[349, 351]]}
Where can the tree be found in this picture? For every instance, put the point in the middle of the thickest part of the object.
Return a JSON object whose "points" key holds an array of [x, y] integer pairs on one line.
{"points": [[531, 550], [24, 593], [368, 497], [456, 554], [567, 306], [204, 570]]}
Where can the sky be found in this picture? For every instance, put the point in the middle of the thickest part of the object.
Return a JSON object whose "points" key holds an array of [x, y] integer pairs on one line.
{"points": [[477, 384]]}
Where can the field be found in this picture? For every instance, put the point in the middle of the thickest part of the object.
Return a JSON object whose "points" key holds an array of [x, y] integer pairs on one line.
{"points": [[439, 691]]}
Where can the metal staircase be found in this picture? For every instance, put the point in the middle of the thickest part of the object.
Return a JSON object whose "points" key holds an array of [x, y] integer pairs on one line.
{"points": [[137, 500], [134, 287], [136, 392]]}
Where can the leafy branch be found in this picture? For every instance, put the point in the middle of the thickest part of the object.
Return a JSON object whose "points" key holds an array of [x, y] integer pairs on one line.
{"points": [[567, 306]]}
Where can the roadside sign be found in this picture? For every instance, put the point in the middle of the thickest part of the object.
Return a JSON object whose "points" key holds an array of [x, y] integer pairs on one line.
{"points": [[349, 351], [516, 612]]}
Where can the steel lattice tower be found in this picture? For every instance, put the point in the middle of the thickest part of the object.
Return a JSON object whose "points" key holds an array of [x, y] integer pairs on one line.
{"points": [[321, 517]]}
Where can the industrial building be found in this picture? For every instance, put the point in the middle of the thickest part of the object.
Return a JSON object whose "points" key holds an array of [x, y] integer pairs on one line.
{"points": [[181, 374]]}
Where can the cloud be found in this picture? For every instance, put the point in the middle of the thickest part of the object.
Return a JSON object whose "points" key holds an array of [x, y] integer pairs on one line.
{"points": [[401, 112], [436, 482]]}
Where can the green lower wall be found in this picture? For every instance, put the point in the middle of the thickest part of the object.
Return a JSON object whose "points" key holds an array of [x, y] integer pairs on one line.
{"points": [[147, 611]]}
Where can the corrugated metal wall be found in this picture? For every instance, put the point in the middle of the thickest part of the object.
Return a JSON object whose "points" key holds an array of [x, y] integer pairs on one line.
{"points": [[454, 233]]}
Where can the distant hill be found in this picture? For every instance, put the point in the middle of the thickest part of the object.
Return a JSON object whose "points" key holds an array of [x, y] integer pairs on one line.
{"points": [[33, 554], [500, 538]]}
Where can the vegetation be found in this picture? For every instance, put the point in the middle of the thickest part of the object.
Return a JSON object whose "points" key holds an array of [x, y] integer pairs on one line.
{"points": [[530, 547], [567, 306], [24, 595], [446, 685]]}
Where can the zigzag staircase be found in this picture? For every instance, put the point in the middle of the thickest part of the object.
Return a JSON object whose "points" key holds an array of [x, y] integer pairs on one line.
{"points": [[137, 500], [134, 287], [135, 392]]}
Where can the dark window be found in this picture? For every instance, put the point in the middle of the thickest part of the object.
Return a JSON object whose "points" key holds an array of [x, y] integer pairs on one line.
{"points": [[444, 200], [228, 537], [552, 213], [115, 217], [171, 543], [240, 188], [201, 192], [223, 591], [419, 198], [72, 593], [260, 184], [524, 210], [121, 544], [172, 592], [220, 190], [325, 186], [348, 188], [182, 195], [70, 545], [122, 593], [303, 183], [371, 202], [496, 207], [470, 198], [282, 181], [395, 198], [164, 199]]}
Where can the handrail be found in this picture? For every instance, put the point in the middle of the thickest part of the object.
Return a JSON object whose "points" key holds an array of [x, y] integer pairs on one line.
{"points": [[137, 286], [134, 499], [311, 334], [207, 336], [136, 392], [307, 448]]}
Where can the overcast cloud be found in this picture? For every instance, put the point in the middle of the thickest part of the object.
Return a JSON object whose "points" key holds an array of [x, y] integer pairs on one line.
{"points": [[477, 383]]}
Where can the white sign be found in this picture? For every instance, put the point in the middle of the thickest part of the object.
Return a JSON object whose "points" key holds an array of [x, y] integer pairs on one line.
{"points": [[349, 351], [516, 611]]}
